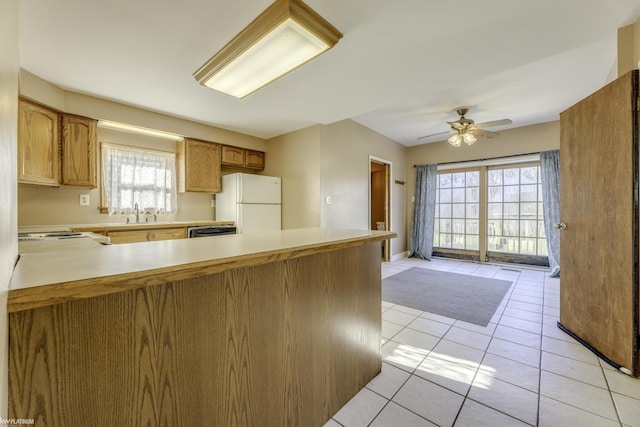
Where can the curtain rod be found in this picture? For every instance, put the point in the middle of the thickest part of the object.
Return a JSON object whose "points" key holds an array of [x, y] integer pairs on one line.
{"points": [[483, 160]]}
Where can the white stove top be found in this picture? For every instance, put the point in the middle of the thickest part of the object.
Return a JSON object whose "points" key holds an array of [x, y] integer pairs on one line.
{"points": [[60, 235]]}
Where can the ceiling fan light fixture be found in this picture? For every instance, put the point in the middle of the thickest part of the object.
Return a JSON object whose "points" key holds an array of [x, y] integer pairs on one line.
{"points": [[455, 140], [282, 38], [468, 138]]}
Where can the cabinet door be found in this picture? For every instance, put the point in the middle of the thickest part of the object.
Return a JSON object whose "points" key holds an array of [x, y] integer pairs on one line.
{"points": [[127, 236], [199, 166], [232, 156], [167, 234], [135, 236], [78, 151], [254, 159], [38, 145]]}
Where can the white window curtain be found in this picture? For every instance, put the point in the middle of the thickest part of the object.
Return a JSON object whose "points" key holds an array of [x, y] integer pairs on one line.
{"points": [[135, 175]]}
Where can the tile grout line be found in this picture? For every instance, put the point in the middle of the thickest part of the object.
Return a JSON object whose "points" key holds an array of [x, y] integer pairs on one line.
{"points": [[548, 312], [544, 286], [613, 400], [570, 378], [466, 396], [514, 284], [412, 373], [388, 400], [440, 339]]}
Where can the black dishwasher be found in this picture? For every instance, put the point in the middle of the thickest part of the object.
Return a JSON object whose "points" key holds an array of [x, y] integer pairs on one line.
{"points": [[210, 230]]}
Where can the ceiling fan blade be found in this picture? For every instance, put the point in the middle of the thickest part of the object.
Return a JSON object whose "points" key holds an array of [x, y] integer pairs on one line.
{"points": [[435, 134], [484, 133], [464, 125], [494, 123]]}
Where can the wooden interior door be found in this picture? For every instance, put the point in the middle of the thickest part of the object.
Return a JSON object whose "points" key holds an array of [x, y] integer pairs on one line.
{"points": [[380, 200], [599, 205]]}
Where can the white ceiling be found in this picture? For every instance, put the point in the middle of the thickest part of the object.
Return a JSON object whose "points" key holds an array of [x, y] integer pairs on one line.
{"points": [[401, 68]]}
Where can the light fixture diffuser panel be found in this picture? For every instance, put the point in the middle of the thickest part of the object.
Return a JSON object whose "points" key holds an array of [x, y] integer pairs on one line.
{"points": [[283, 37], [285, 48]]}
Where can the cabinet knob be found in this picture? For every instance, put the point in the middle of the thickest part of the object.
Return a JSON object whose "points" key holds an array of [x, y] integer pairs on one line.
{"points": [[560, 226]]}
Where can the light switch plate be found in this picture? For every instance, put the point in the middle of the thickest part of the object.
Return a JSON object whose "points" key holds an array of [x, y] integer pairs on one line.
{"points": [[84, 200]]}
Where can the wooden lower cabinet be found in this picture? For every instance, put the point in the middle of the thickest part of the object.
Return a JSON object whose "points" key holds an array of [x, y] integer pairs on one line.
{"points": [[167, 234], [282, 343], [135, 236]]}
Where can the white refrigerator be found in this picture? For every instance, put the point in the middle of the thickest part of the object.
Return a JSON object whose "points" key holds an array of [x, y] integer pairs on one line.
{"points": [[252, 202]]}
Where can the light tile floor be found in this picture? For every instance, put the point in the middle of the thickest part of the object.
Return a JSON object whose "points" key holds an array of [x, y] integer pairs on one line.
{"points": [[519, 370]]}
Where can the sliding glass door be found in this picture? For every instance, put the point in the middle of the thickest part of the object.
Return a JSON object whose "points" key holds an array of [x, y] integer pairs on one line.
{"points": [[491, 214], [457, 224]]}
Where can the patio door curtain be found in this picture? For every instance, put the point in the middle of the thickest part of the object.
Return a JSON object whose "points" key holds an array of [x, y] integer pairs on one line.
{"points": [[424, 210], [550, 177]]}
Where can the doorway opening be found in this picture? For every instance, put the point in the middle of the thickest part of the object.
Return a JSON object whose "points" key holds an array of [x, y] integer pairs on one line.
{"points": [[380, 200]]}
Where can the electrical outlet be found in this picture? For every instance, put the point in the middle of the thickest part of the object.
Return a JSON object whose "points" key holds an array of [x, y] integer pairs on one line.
{"points": [[328, 199], [84, 200]]}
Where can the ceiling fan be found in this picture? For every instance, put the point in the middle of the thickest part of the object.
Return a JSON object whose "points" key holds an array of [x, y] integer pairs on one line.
{"points": [[467, 130]]}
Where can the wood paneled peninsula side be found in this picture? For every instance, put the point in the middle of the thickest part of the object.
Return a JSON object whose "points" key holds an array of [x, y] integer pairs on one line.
{"points": [[267, 329]]}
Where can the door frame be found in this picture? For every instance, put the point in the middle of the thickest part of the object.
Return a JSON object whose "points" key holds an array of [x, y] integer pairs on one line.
{"points": [[388, 201]]}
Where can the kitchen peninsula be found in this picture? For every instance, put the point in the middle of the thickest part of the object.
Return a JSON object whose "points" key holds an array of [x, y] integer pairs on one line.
{"points": [[264, 329]]}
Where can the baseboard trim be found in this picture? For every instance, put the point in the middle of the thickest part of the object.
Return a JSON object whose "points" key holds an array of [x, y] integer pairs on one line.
{"points": [[399, 256]]}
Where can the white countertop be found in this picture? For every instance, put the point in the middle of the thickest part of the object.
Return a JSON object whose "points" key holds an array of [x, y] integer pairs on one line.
{"points": [[76, 270]]}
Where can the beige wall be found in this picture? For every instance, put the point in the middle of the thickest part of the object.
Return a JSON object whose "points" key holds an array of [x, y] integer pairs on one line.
{"points": [[295, 157], [48, 206], [523, 140], [628, 48], [346, 147], [333, 160], [9, 66]]}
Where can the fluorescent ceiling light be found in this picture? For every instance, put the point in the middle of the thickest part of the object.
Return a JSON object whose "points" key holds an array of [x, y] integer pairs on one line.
{"points": [[282, 38], [137, 129]]}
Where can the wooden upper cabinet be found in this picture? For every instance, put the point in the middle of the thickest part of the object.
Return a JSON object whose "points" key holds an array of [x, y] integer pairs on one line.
{"points": [[38, 145], [232, 156], [198, 166], [243, 158], [78, 151], [254, 159]]}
